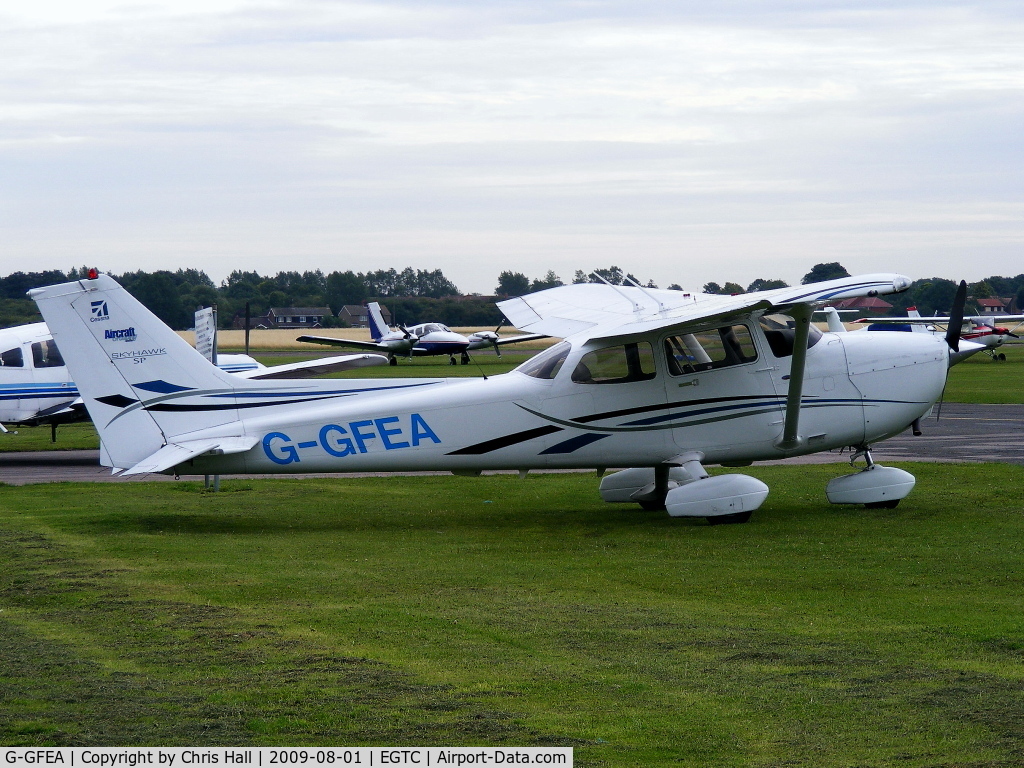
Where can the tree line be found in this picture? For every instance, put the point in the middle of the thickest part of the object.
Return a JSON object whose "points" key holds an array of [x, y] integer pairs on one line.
{"points": [[413, 295]]}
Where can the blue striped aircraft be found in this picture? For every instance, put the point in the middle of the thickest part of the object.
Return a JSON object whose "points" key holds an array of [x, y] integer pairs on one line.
{"points": [[657, 383]]}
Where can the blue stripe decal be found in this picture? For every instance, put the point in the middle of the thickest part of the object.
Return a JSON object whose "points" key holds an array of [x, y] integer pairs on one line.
{"points": [[573, 443], [161, 387]]}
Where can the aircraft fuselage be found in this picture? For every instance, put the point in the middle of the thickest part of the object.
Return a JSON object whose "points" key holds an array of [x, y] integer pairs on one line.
{"points": [[858, 388]]}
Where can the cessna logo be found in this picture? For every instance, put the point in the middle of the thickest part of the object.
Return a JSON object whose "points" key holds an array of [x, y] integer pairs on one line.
{"points": [[99, 311], [122, 334]]}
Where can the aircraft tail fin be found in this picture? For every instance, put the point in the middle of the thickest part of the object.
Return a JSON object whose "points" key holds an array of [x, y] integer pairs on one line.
{"points": [[377, 325], [134, 373]]}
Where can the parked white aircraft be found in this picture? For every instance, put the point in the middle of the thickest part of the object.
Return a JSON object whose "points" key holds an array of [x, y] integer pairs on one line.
{"points": [[658, 381], [420, 340], [36, 387]]}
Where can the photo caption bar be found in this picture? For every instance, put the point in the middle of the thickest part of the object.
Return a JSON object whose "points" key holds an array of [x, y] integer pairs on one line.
{"points": [[257, 757]]}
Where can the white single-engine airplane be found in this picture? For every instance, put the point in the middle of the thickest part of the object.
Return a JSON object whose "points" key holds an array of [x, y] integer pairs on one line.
{"points": [[980, 329], [36, 387], [657, 381], [420, 340]]}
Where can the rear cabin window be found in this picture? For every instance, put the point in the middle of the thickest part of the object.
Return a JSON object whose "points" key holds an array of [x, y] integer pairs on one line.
{"points": [[46, 355], [707, 350], [548, 363], [780, 333], [616, 365], [12, 358]]}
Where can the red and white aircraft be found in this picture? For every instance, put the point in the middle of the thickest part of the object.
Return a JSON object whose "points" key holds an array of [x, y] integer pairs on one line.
{"points": [[980, 329]]}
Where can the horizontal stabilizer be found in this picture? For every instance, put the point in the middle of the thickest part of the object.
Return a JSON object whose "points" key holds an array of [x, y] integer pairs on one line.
{"points": [[319, 367], [173, 454]]}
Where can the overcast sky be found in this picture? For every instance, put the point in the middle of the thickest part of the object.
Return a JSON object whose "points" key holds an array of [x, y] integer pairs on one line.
{"points": [[680, 143]]}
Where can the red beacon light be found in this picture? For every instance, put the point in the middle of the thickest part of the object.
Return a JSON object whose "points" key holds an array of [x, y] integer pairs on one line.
{"points": [[93, 273]]}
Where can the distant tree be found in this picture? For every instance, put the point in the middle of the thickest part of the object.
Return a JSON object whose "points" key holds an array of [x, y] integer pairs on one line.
{"points": [[434, 284], [157, 291], [675, 287], [512, 284], [344, 288], [822, 272], [980, 290], [933, 296], [613, 275], [15, 285], [724, 290], [761, 284], [550, 280]]}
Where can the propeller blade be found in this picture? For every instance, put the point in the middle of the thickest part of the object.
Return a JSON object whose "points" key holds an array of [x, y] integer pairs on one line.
{"points": [[956, 317], [497, 349]]}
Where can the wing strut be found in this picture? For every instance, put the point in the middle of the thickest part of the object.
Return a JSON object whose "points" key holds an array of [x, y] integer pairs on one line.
{"points": [[791, 438]]}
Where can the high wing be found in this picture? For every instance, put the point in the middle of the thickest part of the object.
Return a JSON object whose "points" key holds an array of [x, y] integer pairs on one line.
{"points": [[319, 367], [603, 311], [371, 345]]}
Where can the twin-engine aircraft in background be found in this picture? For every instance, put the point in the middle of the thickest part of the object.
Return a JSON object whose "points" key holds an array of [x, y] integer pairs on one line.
{"points": [[420, 340], [980, 329], [659, 382], [36, 387]]}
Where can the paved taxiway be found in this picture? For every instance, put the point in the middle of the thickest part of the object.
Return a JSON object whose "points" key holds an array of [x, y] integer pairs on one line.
{"points": [[963, 433]]}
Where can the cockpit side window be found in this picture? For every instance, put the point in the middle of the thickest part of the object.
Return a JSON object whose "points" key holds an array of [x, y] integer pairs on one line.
{"points": [[12, 358], [46, 355], [616, 365], [706, 350], [780, 333], [548, 363]]}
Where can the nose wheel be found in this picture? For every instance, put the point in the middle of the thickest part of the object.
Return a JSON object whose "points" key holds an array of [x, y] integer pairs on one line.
{"points": [[875, 486]]}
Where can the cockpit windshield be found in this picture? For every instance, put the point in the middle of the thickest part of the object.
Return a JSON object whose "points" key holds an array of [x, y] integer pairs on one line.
{"points": [[780, 331], [548, 363]]}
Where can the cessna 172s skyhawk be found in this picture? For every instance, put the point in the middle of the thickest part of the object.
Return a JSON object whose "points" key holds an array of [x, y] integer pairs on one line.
{"points": [[661, 382]]}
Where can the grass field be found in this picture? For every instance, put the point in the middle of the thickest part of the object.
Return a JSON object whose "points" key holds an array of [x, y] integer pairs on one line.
{"points": [[979, 379], [440, 610]]}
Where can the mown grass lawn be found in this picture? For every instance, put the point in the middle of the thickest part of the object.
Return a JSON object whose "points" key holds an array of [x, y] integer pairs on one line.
{"points": [[440, 610], [979, 379]]}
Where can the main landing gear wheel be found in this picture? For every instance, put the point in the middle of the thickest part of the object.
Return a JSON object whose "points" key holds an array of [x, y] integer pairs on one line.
{"points": [[653, 506], [1001, 357], [465, 358], [887, 504], [451, 360], [737, 517], [392, 361]]}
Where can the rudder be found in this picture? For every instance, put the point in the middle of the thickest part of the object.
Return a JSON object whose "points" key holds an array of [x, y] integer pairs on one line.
{"points": [[128, 366]]}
